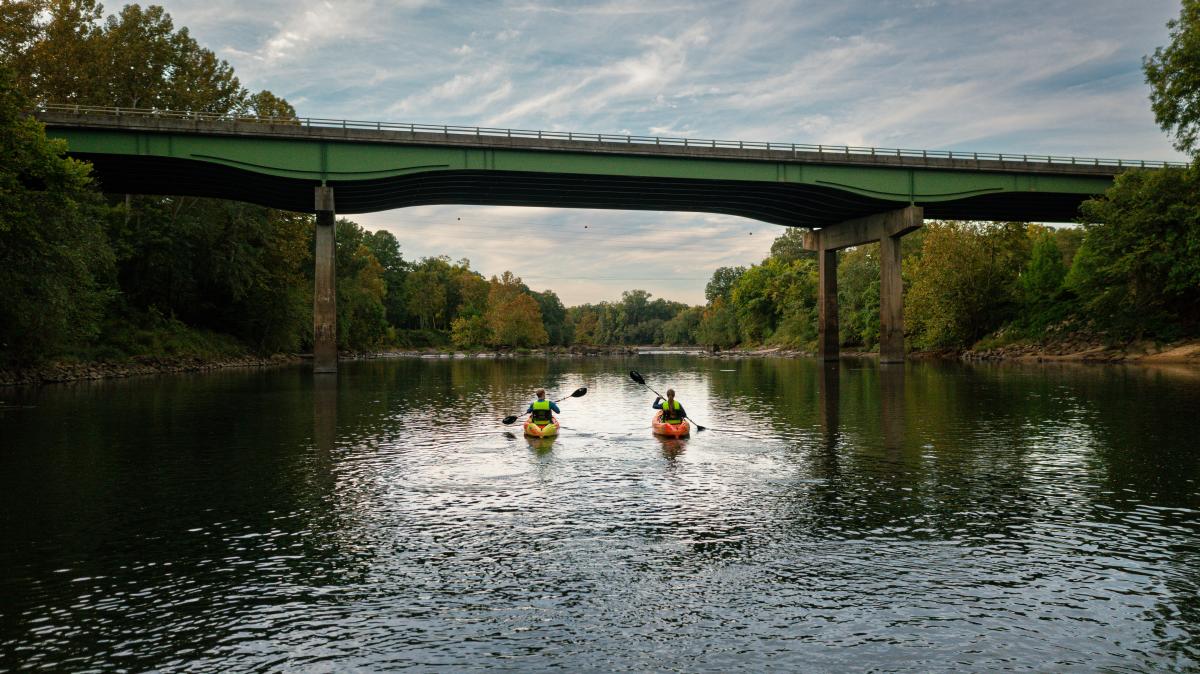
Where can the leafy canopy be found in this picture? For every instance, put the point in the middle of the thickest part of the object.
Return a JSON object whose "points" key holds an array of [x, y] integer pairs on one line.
{"points": [[1173, 73]]}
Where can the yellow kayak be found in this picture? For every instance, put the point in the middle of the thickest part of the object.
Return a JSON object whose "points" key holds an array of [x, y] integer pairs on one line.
{"points": [[535, 431]]}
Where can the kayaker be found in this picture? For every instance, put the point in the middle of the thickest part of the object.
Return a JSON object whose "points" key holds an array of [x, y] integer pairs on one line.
{"points": [[540, 409], [673, 412]]}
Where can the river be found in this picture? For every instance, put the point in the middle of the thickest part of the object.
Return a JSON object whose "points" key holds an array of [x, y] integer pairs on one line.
{"points": [[928, 517]]}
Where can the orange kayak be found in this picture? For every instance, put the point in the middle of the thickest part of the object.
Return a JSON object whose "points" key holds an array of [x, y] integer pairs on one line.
{"points": [[548, 431], [670, 430]]}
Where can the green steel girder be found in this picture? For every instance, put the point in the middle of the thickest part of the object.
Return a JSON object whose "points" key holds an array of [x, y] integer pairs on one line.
{"points": [[371, 176]]}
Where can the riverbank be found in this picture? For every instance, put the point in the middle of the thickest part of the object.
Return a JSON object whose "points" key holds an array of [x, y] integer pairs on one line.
{"points": [[1069, 351], [1089, 351], [576, 351], [1148, 353], [1076, 350], [58, 372]]}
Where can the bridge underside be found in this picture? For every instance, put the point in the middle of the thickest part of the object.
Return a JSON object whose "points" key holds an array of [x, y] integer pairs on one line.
{"points": [[781, 203], [846, 215]]}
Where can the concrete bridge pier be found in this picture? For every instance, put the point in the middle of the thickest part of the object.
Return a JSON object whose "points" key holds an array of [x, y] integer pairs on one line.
{"points": [[886, 228], [324, 286]]}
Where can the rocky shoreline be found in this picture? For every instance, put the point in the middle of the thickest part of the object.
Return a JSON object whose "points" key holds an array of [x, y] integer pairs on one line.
{"points": [[1185, 352], [577, 351], [1091, 352], [62, 372], [52, 373]]}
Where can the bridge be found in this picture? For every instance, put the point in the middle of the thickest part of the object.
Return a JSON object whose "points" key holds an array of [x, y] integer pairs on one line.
{"points": [[846, 195]]}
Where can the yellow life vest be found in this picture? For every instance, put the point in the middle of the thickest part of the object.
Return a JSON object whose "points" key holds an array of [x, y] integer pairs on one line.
{"points": [[541, 412], [670, 413]]}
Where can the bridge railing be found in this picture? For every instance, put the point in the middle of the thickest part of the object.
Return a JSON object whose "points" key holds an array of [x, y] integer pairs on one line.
{"points": [[449, 130]]}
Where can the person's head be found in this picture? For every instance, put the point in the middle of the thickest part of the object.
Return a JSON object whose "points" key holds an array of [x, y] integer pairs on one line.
{"points": [[671, 393], [541, 393]]}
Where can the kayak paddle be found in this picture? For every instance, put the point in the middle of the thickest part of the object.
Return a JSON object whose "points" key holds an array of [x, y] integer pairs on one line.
{"points": [[637, 376], [579, 393]]}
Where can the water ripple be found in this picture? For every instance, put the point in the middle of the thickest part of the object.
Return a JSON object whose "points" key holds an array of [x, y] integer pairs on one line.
{"points": [[945, 519]]}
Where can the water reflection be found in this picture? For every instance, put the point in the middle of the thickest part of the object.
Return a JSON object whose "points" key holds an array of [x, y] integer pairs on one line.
{"points": [[941, 516], [325, 402], [829, 399], [672, 448], [540, 446], [891, 397]]}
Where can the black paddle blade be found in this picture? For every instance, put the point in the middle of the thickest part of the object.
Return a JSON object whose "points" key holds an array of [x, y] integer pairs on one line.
{"points": [[579, 392], [508, 420], [636, 376]]}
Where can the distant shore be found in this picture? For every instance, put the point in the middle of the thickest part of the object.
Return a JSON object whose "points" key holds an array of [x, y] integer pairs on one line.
{"points": [[60, 372], [1137, 353], [1147, 353]]}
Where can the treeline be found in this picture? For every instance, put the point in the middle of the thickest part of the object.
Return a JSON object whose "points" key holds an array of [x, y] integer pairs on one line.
{"points": [[109, 276], [635, 319], [385, 301], [1131, 271], [98, 276]]}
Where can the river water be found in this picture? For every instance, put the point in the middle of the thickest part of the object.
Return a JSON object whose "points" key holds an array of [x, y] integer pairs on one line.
{"points": [[929, 517]]}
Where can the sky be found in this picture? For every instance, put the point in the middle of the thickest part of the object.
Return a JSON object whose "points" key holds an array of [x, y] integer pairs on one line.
{"points": [[1021, 76]]}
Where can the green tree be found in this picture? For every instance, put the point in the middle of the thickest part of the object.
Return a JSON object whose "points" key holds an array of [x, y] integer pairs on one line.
{"points": [[1069, 239], [858, 295], [470, 332], [63, 53], [1138, 270], [220, 265], [634, 307], [753, 304], [795, 294], [148, 64], [513, 317], [386, 249], [965, 283], [53, 48], [789, 246], [362, 322], [426, 297], [721, 284], [54, 259], [432, 292], [1173, 73], [1043, 277], [718, 326], [681, 329], [472, 290], [269, 106], [584, 322], [554, 316], [20, 31]]}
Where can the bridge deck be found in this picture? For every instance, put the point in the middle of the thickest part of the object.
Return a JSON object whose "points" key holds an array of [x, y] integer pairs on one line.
{"points": [[375, 166], [478, 137]]}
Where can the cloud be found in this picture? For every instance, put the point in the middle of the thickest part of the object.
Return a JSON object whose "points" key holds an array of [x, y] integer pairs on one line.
{"points": [[471, 91], [1038, 76], [593, 251], [660, 62], [317, 23]]}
